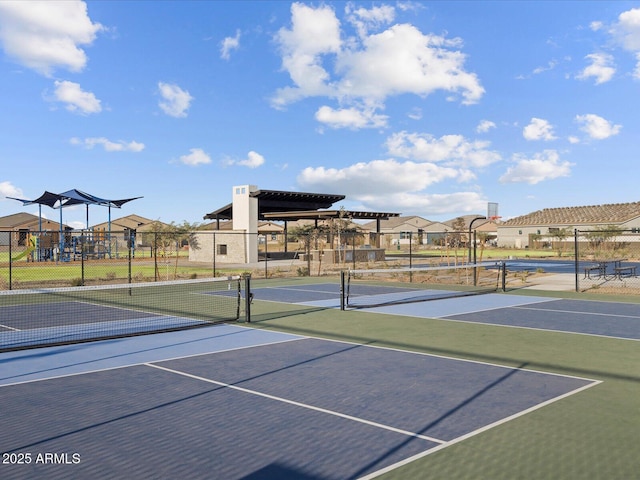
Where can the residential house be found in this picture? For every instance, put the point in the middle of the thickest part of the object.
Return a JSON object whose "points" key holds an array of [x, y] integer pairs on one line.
{"points": [[520, 232]]}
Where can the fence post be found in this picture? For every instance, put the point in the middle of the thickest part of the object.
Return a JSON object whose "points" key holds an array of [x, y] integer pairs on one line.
{"points": [[353, 249], [266, 256], [10, 260], [155, 256], [576, 259], [342, 289], [82, 253], [214, 254]]}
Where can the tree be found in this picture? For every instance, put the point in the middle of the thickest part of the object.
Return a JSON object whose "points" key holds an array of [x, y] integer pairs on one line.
{"points": [[170, 238], [601, 239], [560, 235], [456, 238]]}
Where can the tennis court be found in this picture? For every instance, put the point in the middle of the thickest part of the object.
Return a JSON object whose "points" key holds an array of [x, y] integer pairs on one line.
{"points": [[491, 386], [249, 404]]}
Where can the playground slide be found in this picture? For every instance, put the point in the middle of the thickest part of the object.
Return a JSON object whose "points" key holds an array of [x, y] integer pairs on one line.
{"points": [[21, 255]]}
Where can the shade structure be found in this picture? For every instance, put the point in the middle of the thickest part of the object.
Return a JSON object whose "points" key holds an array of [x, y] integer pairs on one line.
{"points": [[70, 198]]}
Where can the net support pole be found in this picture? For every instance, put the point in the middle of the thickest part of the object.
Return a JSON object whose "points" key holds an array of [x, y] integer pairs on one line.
{"points": [[248, 296], [503, 269], [342, 288]]}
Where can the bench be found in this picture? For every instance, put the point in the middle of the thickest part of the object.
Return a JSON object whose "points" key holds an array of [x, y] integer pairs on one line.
{"points": [[629, 271], [593, 268]]}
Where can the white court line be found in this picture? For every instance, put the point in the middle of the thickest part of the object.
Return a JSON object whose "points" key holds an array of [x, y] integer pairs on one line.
{"points": [[406, 461], [291, 289], [533, 301], [577, 312], [298, 404], [10, 328], [142, 362]]}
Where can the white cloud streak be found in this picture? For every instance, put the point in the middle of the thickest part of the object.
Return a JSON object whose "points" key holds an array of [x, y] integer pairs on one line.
{"points": [[352, 118], [228, 45], [7, 189], [108, 145]]}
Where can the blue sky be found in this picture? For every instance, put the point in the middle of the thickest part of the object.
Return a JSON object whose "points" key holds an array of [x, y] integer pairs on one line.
{"points": [[420, 108]]}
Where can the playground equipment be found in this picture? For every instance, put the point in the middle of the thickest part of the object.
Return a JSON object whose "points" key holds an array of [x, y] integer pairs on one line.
{"points": [[69, 198]]}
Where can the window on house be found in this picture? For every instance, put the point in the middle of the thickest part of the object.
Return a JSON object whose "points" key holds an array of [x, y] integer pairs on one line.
{"points": [[221, 249]]}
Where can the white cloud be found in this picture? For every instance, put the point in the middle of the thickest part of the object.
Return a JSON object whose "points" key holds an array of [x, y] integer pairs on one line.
{"points": [[596, 25], [314, 32], [175, 101], [404, 60], [427, 204], [453, 150], [380, 176], [44, 35], [196, 157], [108, 145], [253, 160], [415, 113], [601, 68], [350, 118], [77, 100], [597, 127], [538, 129], [543, 166], [484, 126], [549, 66], [627, 29], [363, 19], [627, 33], [371, 68], [229, 44], [393, 186], [7, 189]]}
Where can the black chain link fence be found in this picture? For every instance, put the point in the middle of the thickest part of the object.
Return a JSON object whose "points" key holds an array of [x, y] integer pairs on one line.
{"points": [[604, 260]]}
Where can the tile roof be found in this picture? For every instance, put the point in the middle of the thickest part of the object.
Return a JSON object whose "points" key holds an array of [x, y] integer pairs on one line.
{"points": [[587, 215]]}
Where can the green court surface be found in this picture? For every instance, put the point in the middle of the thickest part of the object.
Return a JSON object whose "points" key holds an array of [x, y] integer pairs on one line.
{"points": [[591, 435]]}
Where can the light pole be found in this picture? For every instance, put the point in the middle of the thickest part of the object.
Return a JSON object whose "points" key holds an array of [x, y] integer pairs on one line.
{"points": [[474, 243]]}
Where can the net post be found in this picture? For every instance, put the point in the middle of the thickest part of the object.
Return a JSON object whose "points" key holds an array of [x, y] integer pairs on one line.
{"points": [[248, 296], [503, 268], [342, 288]]}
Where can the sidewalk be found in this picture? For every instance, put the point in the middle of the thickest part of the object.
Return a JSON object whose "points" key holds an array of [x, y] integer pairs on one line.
{"points": [[559, 282]]}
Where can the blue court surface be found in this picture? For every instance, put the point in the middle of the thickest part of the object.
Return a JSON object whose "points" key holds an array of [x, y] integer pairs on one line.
{"points": [[230, 402], [588, 317]]}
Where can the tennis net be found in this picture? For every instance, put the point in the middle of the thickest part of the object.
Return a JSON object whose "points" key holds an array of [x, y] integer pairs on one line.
{"points": [[30, 318], [391, 286]]}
